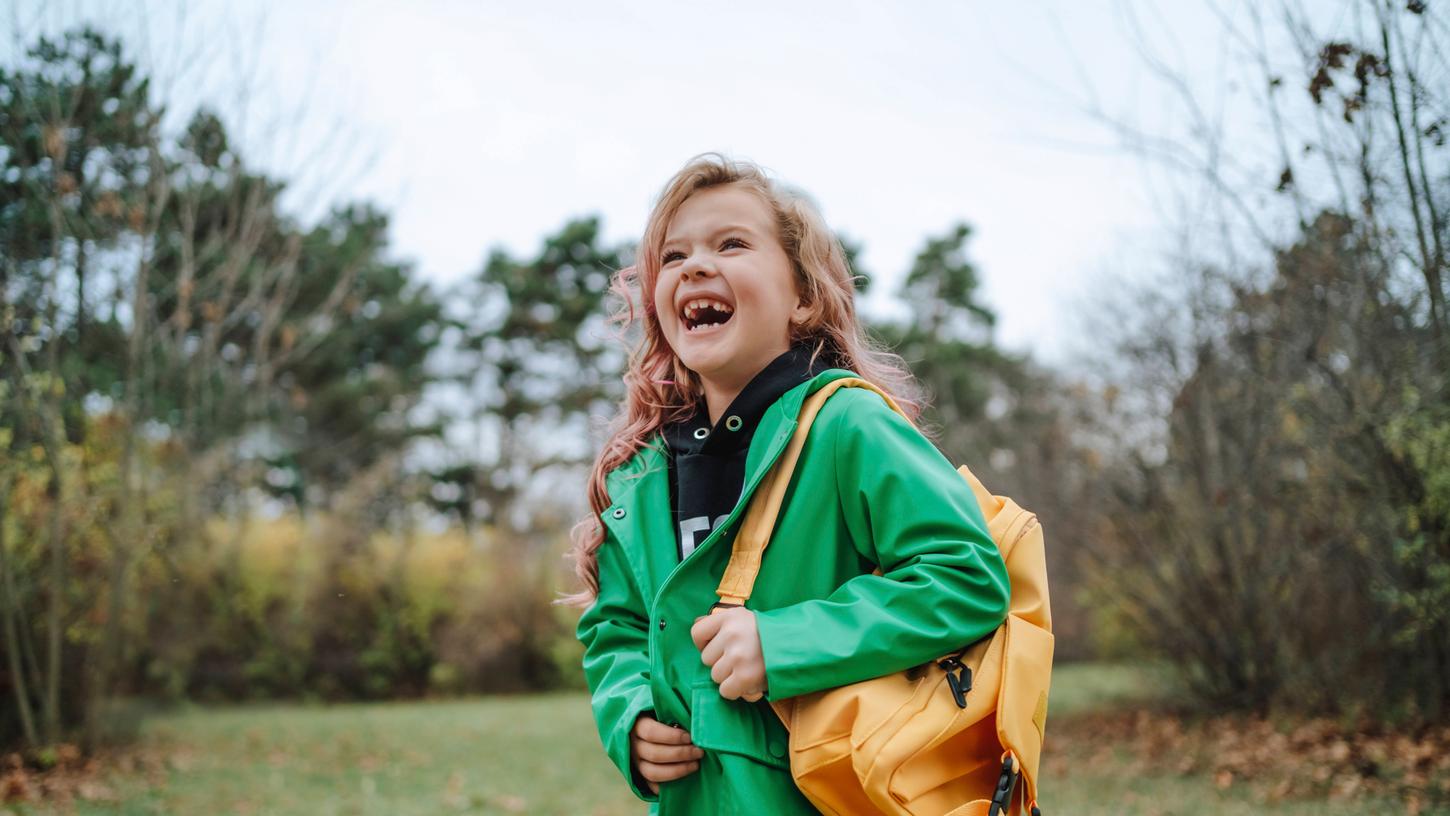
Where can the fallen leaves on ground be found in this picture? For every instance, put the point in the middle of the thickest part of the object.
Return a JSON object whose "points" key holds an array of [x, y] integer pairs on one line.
{"points": [[1306, 759], [73, 776]]}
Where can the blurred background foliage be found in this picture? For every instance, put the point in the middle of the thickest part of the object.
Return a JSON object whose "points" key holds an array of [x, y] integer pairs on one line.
{"points": [[211, 418]]}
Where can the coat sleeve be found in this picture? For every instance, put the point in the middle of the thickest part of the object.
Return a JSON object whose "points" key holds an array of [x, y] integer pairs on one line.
{"points": [[943, 583], [616, 661]]}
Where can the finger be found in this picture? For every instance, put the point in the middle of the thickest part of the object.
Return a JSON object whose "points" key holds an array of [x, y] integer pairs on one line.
{"points": [[721, 670], [704, 630], [661, 754], [667, 772], [712, 651], [653, 787], [740, 686], [639, 723], [731, 689], [754, 697], [651, 730]]}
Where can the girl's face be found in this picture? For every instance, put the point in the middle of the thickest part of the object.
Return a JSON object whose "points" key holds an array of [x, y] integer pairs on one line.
{"points": [[726, 293]]}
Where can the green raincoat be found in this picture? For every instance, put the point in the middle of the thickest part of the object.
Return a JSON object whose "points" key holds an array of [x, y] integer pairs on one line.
{"points": [[868, 490]]}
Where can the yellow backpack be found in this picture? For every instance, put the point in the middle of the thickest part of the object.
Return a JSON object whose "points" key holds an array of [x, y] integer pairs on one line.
{"points": [[958, 736]]}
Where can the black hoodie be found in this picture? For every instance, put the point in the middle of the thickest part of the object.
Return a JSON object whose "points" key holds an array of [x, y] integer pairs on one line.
{"points": [[707, 465]]}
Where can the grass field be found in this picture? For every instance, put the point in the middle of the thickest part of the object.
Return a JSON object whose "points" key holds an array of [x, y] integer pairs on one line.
{"points": [[539, 754]]}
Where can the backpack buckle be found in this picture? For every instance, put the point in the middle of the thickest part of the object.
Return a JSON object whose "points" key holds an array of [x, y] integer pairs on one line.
{"points": [[1006, 782], [959, 678]]}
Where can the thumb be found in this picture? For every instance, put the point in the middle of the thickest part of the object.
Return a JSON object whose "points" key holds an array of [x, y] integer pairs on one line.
{"points": [[704, 630]]}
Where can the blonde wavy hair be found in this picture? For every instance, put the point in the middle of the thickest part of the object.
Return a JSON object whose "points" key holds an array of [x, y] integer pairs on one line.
{"points": [[659, 389]]}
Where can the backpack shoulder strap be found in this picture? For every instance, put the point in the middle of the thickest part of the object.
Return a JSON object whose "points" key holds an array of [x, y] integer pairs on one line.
{"points": [[739, 579]]}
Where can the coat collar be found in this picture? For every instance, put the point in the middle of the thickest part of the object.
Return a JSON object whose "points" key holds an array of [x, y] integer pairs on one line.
{"points": [[695, 434], [639, 507], [779, 418]]}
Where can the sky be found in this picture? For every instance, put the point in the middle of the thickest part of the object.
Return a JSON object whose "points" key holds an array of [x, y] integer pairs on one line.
{"points": [[483, 125]]}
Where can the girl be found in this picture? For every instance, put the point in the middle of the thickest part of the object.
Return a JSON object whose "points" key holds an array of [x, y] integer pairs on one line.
{"points": [[746, 305]]}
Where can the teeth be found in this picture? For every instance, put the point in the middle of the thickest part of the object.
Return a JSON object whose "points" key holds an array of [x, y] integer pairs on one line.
{"points": [[693, 307]]}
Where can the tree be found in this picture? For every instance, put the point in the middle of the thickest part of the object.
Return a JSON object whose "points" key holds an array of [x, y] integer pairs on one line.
{"points": [[1007, 418], [75, 139], [1280, 515], [541, 362], [152, 286], [947, 336]]}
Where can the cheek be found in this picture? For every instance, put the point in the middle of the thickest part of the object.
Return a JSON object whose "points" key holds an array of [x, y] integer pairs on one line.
{"points": [[776, 294], [765, 307], [664, 311]]}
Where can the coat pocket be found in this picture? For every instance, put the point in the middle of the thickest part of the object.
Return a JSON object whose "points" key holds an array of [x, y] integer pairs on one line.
{"points": [[737, 727]]}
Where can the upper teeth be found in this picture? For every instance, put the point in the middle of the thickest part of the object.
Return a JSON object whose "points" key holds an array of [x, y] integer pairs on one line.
{"points": [[693, 307]]}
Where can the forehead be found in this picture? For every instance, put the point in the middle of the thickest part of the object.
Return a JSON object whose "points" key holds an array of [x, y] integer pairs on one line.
{"points": [[716, 207]]}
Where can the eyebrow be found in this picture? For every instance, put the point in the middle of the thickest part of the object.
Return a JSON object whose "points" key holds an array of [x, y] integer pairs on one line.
{"points": [[726, 228]]}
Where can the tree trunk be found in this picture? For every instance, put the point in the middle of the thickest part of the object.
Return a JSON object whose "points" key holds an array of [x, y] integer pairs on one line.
{"points": [[8, 604]]}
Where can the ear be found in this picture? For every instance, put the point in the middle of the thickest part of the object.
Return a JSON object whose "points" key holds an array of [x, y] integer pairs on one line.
{"points": [[801, 313]]}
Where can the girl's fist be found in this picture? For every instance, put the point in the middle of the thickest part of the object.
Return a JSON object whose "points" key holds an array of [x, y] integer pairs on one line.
{"points": [[661, 753], [730, 645]]}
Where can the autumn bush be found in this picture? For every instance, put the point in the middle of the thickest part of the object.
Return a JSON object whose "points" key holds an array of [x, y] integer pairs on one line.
{"points": [[337, 615], [1284, 537], [290, 605]]}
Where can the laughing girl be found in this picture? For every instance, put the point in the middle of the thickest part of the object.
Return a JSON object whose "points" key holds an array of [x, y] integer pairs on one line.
{"points": [[880, 559]]}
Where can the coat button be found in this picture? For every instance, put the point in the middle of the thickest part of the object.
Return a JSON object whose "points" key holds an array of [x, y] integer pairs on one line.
{"points": [[619, 512], [662, 623], [733, 423], [777, 749]]}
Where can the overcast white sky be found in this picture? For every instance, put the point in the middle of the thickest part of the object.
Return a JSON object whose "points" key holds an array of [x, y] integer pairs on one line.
{"points": [[488, 124]]}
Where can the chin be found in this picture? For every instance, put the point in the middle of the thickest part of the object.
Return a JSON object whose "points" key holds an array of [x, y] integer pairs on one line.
{"points": [[702, 355], [704, 365]]}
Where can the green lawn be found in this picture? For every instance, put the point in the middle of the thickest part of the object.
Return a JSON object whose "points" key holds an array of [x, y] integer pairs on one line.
{"points": [[539, 755]]}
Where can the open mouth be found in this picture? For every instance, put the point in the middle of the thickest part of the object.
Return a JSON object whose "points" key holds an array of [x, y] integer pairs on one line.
{"points": [[704, 313]]}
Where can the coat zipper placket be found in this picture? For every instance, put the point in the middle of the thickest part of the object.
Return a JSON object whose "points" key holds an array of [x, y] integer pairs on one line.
{"points": [[781, 437]]}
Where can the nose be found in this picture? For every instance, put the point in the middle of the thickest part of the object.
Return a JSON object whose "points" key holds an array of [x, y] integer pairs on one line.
{"points": [[693, 267]]}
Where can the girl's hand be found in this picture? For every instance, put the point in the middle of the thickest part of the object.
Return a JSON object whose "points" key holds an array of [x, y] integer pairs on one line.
{"points": [[661, 753], [730, 646]]}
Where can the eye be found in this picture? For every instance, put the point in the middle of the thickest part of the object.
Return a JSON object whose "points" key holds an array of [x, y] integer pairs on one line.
{"points": [[727, 242]]}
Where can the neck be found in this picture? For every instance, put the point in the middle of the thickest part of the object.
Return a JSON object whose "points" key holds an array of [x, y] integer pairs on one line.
{"points": [[722, 389], [718, 397]]}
